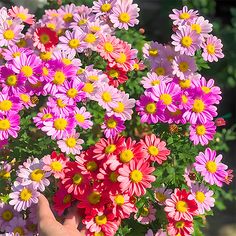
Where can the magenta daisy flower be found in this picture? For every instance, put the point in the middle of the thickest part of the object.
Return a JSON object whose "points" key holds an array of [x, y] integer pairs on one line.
{"points": [[82, 118], [181, 17], [29, 67], [203, 197], [167, 94], [22, 14], [161, 194], [9, 103], [112, 126], [155, 148], [73, 42], [210, 167], [14, 51], [183, 66], [149, 110], [202, 133], [71, 143], [212, 49], [42, 116], [9, 125], [22, 197], [147, 215], [59, 126], [103, 7], [201, 26], [135, 177], [124, 14], [186, 41]]}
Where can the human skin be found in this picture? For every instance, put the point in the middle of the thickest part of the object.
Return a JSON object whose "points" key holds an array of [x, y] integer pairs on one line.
{"points": [[49, 226]]}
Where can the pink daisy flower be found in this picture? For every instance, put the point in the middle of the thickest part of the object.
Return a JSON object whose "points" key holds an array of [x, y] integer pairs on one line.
{"points": [[201, 26], [14, 51], [153, 51], [212, 49], [155, 148], [203, 197], [180, 227], [183, 66], [161, 194], [55, 165], [210, 167], [73, 42], [71, 144], [180, 207], [9, 125], [22, 197], [124, 14], [186, 41], [135, 177], [103, 7], [149, 110], [82, 118], [9, 103], [189, 175], [147, 215], [59, 126], [202, 133], [67, 13], [45, 114], [112, 126], [162, 67], [22, 14], [7, 214], [181, 17]]}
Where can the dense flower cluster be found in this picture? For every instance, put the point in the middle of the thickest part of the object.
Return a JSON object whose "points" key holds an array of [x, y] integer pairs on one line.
{"points": [[45, 61]]}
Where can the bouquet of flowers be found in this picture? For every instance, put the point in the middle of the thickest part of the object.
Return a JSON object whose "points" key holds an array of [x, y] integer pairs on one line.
{"points": [[119, 127]]}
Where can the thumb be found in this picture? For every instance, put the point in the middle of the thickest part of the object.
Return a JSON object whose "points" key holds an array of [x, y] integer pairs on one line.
{"points": [[72, 219]]}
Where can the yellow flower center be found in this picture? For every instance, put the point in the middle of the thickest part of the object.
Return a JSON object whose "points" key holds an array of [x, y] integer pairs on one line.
{"points": [[77, 179], [120, 108], [110, 148], [200, 196], [94, 197], [88, 88], [111, 123], [184, 84], [60, 123], [183, 66], [90, 38], [108, 47], [211, 166], [95, 28], [60, 103], [181, 206], [45, 71], [72, 93], [71, 142], [16, 54], [47, 116], [5, 105], [27, 71], [22, 43], [101, 220], [197, 28], [153, 150], [74, 43], [51, 26], [91, 166], [11, 80], [179, 224], [106, 97], [155, 82], [144, 212], [200, 130], [19, 231], [82, 22], [124, 17], [7, 215], [126, 156], [113, 176], [206, 89], [9, 34], [153, 52], [22, 16], [166, 98], [136, 66], [160, 197], [151, 108], [160, 71], [59, 78], [184, 16], [56, 166], [68, 17], [45, 56], [186, 41], [80, 118], [121, 59], [37, 175], [184, 99], [67, 199], [119, 200], [113, 73], [198, 106], [5, 124], [25, 97], [44, 38], [106, 7], [99, 233], [93, 77], [66, 61], [136, 176], [210, 48], [25, 195]]}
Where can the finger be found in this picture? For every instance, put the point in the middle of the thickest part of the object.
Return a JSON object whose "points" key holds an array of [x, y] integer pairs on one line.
{"points": [[72, 219], [44, 211]]}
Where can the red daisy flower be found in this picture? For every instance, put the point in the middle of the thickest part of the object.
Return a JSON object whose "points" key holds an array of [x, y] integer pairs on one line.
{"points": [[181, 227]]}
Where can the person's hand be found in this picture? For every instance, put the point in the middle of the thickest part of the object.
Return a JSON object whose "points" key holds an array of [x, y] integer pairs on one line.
{"points": [[49, 226]]}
